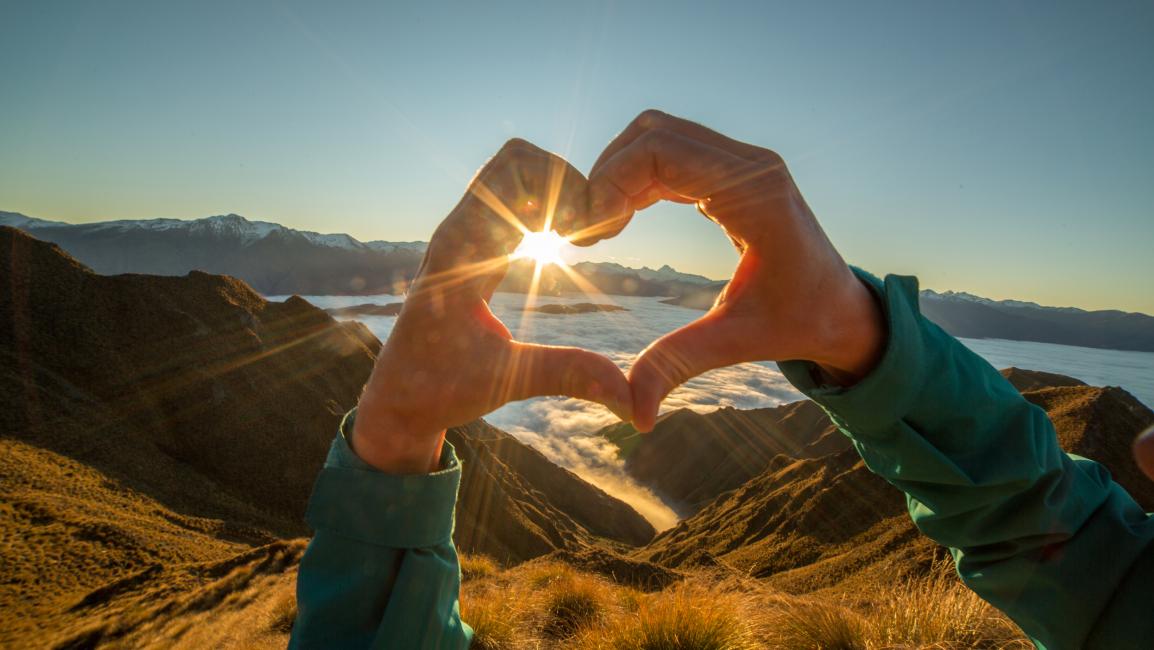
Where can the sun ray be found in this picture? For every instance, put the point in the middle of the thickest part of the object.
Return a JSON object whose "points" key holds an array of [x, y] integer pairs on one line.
{"points": [[524, 327], [555, 180], [448, 278], [494, 203]]}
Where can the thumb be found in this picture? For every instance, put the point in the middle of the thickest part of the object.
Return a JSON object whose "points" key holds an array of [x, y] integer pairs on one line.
{"points": [[537, 370], [707, 343]]}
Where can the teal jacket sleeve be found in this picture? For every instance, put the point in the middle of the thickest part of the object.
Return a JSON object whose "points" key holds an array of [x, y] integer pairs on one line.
{"points": [[1046, 537], [381, 570]]}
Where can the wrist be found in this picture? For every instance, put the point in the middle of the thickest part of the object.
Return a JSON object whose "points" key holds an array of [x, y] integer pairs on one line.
{"points": [[390, 443], [854, 334]]}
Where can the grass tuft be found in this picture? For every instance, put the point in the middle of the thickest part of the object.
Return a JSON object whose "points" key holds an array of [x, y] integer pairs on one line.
{"points": [[496, 619], [575, 603], [477, 566], [680, 619]]}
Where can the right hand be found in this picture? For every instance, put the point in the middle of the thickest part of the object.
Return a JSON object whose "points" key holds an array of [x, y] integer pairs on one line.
{"points": [[792, 296], [449, 360]]}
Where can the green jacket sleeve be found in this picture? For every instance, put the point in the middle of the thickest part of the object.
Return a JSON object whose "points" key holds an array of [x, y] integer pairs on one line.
{"points": [[1046, 537], [381, 570]]}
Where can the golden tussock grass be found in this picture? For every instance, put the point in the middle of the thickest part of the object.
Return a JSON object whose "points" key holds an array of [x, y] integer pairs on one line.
{"points": [[552, 605], [477, 566]]}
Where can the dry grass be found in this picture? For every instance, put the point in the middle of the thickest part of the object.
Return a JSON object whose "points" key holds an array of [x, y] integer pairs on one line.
{"points": [[577, 602], [495, 617], [934, 611], [477, 566], [553, 605], [681, 618]]}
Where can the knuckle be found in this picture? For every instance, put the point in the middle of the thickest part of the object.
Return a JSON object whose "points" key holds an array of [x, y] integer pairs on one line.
{"points": [[518, 149], [654, 140], [771, 157], [651, 118], [515, 143]]}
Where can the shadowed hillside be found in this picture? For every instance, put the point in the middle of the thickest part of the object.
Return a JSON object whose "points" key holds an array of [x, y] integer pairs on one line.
{"points": [[690, 458], [515, 504], [153, 426], [194, 390]]}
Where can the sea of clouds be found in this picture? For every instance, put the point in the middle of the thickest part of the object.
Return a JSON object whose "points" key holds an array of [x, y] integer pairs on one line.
{"points": [[564, 429]]}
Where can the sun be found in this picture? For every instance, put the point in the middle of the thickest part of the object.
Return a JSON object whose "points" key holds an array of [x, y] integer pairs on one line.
{"points": [[542, 247]]}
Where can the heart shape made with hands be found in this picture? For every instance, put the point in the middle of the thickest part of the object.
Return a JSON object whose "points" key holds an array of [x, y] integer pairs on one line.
{"points": [[450, 359]]}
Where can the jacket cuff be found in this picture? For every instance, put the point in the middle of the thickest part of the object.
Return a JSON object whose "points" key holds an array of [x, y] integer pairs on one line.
{"points": [[354, 500], [884, 396]]}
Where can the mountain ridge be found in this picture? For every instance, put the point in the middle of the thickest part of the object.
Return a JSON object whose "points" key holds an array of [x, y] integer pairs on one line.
{"points": [[159, 434]]}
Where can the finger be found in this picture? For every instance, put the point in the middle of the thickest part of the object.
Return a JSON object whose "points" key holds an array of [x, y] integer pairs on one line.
{"points": [[532, 370], [610, 210], [677, 357], [654, 119], [664, 164], [521, 189]]}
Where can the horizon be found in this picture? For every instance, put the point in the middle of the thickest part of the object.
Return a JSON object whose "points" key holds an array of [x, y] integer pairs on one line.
{"points": [[1006, 148], [568, 254]]}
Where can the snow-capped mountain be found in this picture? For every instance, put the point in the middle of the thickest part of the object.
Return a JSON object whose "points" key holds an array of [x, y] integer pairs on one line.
{"points": [[969, 297], [664, 274], [229, 226], [273, 258]]}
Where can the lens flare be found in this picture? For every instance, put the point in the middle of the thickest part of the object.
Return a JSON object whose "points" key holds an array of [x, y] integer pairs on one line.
{"points": [[544, 248]]}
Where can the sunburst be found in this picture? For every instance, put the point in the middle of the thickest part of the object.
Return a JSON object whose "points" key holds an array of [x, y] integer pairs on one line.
{"points": [[544, 248]]}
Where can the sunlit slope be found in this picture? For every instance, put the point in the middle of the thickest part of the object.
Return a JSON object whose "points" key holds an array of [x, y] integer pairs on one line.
{"points": [[806, 524]]}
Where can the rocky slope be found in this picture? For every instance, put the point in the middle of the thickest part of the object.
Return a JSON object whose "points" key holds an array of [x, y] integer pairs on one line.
{"points": [[515, 504], [812, 523], [152, 428], [194, 389], [690, 458]]}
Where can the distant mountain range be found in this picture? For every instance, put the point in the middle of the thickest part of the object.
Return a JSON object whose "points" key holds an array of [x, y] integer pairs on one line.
{"points": [[277, 260], [271, 258]]}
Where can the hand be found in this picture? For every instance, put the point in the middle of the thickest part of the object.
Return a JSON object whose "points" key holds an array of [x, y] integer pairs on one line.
{"points": [[449, 360], [792, 296]]}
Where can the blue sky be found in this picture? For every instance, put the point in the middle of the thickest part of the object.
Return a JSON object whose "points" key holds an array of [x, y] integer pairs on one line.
{"points": [[1004, 148]]}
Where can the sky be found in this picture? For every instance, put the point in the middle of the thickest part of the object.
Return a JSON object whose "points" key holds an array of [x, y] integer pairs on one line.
{"points": [[1001, 148]]}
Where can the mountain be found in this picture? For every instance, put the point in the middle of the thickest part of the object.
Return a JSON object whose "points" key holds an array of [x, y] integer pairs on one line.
{"points": [[276, 260], [968, 316], [690, 458], [606, 277], [271, 258], [810, 523], [159, 438], [515, 504]]}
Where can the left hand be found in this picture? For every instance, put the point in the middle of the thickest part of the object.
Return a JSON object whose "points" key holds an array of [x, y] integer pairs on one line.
{"points": [[449, 360]]}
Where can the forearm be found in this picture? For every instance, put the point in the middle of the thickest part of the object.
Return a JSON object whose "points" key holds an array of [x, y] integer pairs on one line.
{"points": [[1044, 537], [381, 570]]}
